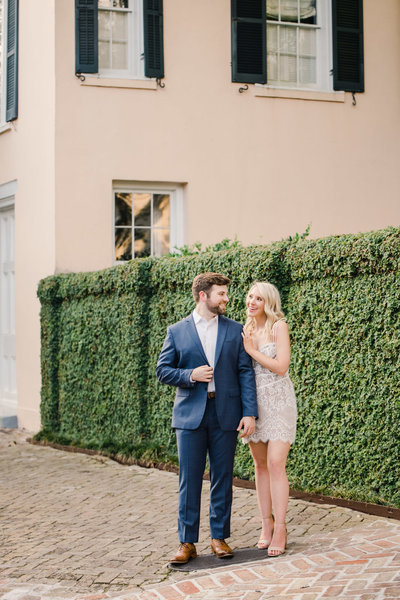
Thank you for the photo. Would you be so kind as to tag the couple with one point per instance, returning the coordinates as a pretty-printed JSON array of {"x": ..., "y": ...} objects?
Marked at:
[{"x": 228, "y": 379}]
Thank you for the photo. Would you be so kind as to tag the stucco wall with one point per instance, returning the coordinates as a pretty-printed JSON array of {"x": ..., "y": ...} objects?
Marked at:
[
  {"x": 27, "y": 155},
  {"x": 259, "y": 168}
]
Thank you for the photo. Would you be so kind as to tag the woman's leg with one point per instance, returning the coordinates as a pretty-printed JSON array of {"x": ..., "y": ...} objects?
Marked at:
[
  {"x": 259, "y": 452},
  {"x": 276, "y": 462}
]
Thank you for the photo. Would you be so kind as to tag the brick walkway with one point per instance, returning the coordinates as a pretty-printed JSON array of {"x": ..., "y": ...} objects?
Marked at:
[{"x": 80, "y": 527}]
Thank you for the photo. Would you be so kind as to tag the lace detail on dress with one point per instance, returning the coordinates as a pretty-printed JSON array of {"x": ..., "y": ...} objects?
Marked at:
[{"x": 277, "y": 411}]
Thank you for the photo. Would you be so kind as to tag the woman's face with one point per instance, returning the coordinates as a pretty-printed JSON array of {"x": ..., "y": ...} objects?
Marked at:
[{"x": 255, "y": 303}]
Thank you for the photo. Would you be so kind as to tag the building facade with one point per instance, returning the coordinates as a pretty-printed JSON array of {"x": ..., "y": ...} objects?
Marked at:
[{"x": 128, "y": 127}]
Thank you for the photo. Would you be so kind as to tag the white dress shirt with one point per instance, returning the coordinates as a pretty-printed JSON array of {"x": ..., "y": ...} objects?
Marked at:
[{"x": 208, "y": 332}]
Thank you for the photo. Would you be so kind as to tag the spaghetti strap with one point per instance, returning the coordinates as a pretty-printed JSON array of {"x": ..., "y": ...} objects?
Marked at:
[{"x": 274, "y": 330}]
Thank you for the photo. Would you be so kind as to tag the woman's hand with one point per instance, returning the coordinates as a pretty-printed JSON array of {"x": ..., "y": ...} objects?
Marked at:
[{"x": 248, "y": 342}]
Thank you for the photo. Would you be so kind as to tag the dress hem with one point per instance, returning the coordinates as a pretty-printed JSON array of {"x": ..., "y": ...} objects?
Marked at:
[{"x": 256, "y": 440}]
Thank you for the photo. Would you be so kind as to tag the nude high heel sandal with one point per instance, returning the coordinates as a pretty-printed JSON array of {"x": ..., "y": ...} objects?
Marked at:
[
  {"x": 278, "y": 550},
  {"x": 263, "y": 544}
]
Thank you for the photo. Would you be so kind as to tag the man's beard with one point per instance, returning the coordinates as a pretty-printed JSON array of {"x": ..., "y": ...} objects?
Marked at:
[{"x": 217, "y": 310}]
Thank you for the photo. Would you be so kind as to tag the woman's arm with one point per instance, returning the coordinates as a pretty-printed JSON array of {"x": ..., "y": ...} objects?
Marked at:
[{"x": 280, "y": 364}]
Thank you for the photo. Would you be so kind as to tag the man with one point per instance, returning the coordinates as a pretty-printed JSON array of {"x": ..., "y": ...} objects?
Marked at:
[{"x": 203, "y": 356}]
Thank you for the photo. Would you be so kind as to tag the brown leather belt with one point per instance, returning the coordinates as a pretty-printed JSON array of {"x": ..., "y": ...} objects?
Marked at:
[{"x": 210, "y": 395}]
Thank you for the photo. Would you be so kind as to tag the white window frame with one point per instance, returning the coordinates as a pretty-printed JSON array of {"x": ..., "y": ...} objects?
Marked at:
[
  {"x": 3, "y": 74},
  {"x": 135, "y": 68},
  {"x": 175, "y": 192},
  {"x": 323, "y": 54}
]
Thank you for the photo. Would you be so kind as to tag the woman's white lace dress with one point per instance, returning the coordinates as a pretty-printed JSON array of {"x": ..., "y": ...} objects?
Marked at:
[{"x": 277, "y": 410}]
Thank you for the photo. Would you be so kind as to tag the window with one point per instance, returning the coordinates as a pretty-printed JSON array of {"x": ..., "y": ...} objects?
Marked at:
[
  {"x": 147, "y": 222},
  {"x": 8, "y": 60},
  {"x": 119, "y": 38},
  {"x": 2, "y": 40},
  {"x": 298, "y": 44}
]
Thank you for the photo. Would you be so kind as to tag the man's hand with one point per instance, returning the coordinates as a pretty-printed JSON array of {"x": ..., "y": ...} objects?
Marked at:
[
  {"x": 203, "y": 373},
  {"x": 248, "y": 424}
]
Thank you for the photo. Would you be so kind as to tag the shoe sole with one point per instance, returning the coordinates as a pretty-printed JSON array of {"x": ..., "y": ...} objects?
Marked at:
[
  {"x": 223, "y": 555},
  {"x": 182, "y": 562}
]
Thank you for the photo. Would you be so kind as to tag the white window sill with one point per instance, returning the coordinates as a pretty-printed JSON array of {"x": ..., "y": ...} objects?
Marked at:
[
  {"x": 139, "y": 84},
  {"x": 5, "y": 127},
  {"x": 270, "y": 92}
]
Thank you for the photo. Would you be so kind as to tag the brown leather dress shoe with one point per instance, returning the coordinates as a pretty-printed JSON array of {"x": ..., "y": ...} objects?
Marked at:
[
  {"x": 221, "y": 549},
  {"x": 185, "y": 552}
]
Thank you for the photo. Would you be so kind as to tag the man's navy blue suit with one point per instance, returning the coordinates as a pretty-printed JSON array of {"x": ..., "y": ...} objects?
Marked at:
[{"x": 207, "y": 425}]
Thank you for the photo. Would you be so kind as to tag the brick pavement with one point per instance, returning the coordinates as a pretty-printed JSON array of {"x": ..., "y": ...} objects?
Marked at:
[{"x": 84, "y": 527}]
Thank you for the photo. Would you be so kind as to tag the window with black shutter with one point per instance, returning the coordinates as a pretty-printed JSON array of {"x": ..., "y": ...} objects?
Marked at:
[
  {"x": 11, "y": 70},
  {"x": 348, "y": 45},
  {"x": 289, "y": 40},
  {"x": 153, "y": 38},
  {"x": 248, "y": 26},
  {"x": 107, "y": 34}
]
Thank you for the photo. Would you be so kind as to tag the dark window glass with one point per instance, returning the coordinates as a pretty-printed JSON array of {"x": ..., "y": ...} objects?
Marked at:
[
  {"x": 161, "y": 210},
  {"x": 142, "y": 244},
  {"x": 142, "y": 210},
  {"x": 123, "y": 243},
  {"x": 123, "y": 208}
]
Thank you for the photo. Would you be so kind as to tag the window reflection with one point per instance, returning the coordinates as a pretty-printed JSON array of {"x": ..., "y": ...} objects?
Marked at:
[
  {"x": 123, "y": 243},
  {"x": 142, "y": 210},
  {"x": 142, "y": 244},
  {"x": 123, "y": 208},
  {"x": 142, "y": 224},
  {"x": 161, "y": 242},
  {"x": 161, "y": 210}
]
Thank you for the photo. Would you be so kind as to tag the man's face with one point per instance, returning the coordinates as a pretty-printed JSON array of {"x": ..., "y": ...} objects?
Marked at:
[{"x": 217, "y": 299}]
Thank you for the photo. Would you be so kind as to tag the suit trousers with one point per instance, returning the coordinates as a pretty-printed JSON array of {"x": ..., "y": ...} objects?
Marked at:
[{"x": 193, "y": 446}]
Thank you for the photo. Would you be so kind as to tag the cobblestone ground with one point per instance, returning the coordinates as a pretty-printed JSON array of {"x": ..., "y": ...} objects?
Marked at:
[{"x": 75, "y": 526}]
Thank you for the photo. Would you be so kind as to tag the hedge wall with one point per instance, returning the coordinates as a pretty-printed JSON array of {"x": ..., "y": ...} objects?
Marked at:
[{"x": 102, "y": 333}]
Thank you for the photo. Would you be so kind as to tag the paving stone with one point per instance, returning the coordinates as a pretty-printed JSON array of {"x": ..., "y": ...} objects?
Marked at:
[{"x": 75, "y": 526}]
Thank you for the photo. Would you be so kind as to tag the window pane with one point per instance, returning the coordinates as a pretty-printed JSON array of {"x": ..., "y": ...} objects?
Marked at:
[
  {"x": 273, "y": 10},
  {"x": 288, "y": 39},
  {"x": 289, "y": 10},
  {"x": 119, "y": 55},
  {"x": 123, "y": 209},
  {"x": 161, "y": 210},
  {"x": 288, "y": 68},
  {"x": 142, "y": 242},
  {"x": 104, "y": 55},
  {"x": 272, "y": 38},
  {"x": 142, "y": 209},
  {"x": 113, "y": 3},
  {"x": 308, "y": 12},
  {"x": 307, "y": 42},
  {"x": 307, "y": 70},
  {"x": 104, "y": 25},
  {"x": 120, "y": 26},
  {"x": 161, "y": 242},
  {"x": 123, "y": 243}
]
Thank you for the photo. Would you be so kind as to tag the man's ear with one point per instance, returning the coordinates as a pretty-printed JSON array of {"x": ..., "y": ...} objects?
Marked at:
[{"x": 202, "y": 296}]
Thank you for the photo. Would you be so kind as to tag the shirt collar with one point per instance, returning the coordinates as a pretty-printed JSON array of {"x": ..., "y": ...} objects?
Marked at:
[{"x": 197, "y": 318}]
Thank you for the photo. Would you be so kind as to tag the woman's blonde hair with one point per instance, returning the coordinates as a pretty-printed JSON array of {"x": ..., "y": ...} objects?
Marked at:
[{"x": 272, "y": 307}]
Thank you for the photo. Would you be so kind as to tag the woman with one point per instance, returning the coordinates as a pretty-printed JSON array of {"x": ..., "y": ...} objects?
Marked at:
[{"x": 266, "y": 340}]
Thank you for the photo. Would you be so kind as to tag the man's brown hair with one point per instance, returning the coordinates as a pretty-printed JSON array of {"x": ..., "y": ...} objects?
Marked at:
[{"x": 204, "y": 282}]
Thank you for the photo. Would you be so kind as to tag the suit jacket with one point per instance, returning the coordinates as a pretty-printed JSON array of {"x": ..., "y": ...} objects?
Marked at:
[{"x": 235, "y": 386}]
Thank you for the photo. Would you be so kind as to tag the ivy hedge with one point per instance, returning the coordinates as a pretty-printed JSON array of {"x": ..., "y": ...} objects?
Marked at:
[{"x": 102, "y": 333}]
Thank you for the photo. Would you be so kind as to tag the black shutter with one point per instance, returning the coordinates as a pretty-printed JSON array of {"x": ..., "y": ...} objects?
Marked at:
[
  {"x": 348, "y": 45},
  {"x": 248, "y": 36},
  {"x": 153, "y": 38},
  {"x": 86, "y": 36},
  {"x": 12, "y": 61}
]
